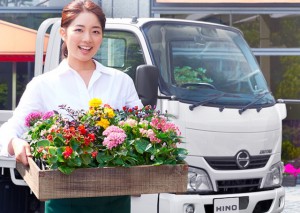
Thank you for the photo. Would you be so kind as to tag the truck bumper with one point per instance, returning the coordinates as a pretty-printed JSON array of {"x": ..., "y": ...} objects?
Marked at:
[{"x": 264, "y": 201}]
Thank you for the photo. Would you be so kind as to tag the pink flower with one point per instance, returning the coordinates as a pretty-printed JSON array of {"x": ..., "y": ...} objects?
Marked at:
[
  {"x": 289, "y": 168},
  {"x": 47, "y": 115},
  {"x": 158, "y": 122},
  {"x": 31, "y": 118},
  {"x": 151, "y": 135},
  {"x": 130, "y": 122},
  {"x": 114, "y": 137},
  {"x": 171, "y": 127}
]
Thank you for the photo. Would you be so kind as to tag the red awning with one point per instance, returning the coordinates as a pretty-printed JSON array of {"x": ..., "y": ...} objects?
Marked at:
[
  {"x": 17, "y": 43},
  {"x": 17, "y": 58}
]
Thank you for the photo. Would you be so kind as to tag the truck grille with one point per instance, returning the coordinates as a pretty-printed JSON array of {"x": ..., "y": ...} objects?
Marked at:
[
  {"x": 238, "y": 186},
  {"x": 229, "y": 163}
]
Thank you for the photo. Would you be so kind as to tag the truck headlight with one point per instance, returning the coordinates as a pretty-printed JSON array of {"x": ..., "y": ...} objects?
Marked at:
[
  {"x": 198, "y": 180},
  {"x": 274, "y": 176}
]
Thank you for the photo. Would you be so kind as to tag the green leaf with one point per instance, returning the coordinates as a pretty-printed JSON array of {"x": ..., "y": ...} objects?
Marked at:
[
  {"x": 87, "y": 149},
  {"x": 122, "y": 153},
  {"x": 53, "y": 159},
  {"x": 170, "y": 161},
  {"x": 102, "y": 158},
  {"x": 65, "y": 169},
  {"x": 158, "y": 161},
  {"x": 131, "y": 161},
  {"x": 52, "y": 150},
  {"x": 148, "y": 147},
  {"x": 181, "y": 153},
  {"x": 58, "y": 141},
  {"x": 43, "y": 143},
  {"x": 131, "y": 142},
  {"x": 86, "y": 159},
  {"x": 141, "y": 145},
  {"x": 60, "y": 155},
  {"x": 119, "y": 162},
  {"x": 74, "y": 144},
  {"x": 76, "y": 162}
]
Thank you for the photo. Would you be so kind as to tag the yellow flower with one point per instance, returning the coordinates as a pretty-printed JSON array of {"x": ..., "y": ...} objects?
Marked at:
[
  {"x": 92, "y": 111},
  {"x": 103, "y": 123},
  {"x": 95, "y": 102},
  {"x": 110, "y": 112}
]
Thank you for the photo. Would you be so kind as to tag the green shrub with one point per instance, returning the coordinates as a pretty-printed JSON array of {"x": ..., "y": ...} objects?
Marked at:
[
  {"x": 187, "y": 74},
  {"x": 3, "y": 96},
  {"x": 289, "y": 151}
]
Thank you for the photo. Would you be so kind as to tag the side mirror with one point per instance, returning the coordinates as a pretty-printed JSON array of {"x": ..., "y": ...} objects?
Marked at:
[{"x": 146, "y": 84}]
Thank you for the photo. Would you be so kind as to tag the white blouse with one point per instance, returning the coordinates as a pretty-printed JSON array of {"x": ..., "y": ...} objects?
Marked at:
[{"x": 63, "y": 85}]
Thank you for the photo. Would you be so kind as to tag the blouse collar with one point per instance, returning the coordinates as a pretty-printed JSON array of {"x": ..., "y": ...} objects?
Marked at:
[{"x": 64, "y": 67}]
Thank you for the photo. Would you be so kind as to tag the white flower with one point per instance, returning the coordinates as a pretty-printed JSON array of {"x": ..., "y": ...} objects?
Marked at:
[{"x": 43, "y": 132}]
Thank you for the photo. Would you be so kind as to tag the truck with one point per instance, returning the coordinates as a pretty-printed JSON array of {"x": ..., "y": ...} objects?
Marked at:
[{"x": 206, "y": 76}]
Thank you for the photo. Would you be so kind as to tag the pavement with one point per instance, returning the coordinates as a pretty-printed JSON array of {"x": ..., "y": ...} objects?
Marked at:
[{"x": 292, "y": 199}]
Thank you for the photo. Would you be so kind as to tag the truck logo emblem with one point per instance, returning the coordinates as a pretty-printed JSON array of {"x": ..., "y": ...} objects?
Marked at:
[{"x": 243, "y": 159}]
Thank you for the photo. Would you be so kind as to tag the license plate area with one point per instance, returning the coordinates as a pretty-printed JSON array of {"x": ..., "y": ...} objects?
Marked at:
[{"x": 226, "y": 205}]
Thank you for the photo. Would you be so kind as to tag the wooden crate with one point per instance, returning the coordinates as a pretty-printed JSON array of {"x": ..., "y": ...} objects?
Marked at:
[{"x": 108, "y": 181}]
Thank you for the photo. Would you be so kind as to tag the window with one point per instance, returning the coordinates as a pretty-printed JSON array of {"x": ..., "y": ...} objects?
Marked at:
[{"x": 121, "y": 50}]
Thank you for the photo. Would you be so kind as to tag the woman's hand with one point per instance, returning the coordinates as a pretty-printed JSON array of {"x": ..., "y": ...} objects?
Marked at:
[{"x": 21, "y": 149}]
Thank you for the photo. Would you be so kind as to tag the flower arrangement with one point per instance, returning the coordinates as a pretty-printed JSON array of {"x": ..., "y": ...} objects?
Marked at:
[
  {"x": 103, "y": 137},
  {"x": 289, "y": 169}
]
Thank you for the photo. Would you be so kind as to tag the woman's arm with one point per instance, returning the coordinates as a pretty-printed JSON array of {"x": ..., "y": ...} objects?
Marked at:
[{"x": 12, "y": 130}]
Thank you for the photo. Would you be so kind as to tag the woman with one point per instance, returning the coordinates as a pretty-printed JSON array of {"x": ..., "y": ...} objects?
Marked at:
[{"x": 74, "y": 82}]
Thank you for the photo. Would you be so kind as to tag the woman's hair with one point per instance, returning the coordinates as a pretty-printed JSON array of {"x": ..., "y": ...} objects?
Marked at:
[{"x": 73, "y": 9}]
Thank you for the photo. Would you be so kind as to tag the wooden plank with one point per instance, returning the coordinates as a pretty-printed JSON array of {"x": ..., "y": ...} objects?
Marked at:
[{"x": 109, "y": 181}]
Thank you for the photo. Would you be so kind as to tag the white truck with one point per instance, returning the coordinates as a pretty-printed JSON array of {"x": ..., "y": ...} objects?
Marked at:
[{"x": 209, "y": 80}]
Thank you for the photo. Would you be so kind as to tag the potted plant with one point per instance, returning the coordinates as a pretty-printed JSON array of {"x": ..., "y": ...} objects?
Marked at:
[
  {"x": 290, "y": 175},
  {"x": 139, "y": 148}
]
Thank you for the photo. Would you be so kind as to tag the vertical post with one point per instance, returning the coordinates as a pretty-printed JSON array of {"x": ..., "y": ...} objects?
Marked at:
[
  {"x": 265, "y": 43},
  {"x": 14, "y": 85}
]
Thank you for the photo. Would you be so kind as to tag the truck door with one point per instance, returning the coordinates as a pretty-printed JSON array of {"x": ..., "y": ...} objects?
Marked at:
[{"x": 121, "y": 50}]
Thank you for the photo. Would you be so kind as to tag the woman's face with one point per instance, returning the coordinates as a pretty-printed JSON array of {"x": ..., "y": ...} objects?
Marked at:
[{"x": 83, "y": 37}]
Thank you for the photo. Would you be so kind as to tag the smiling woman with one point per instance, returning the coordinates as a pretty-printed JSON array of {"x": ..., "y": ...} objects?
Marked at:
[{"x": 76, "y": 80}]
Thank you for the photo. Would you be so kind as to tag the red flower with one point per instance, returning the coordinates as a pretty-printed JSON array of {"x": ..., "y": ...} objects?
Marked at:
[
  {"x": 68, "y": 152},
  {"x": 92, "y": 136},
  {"x": 87, "y": 141},
  {"x": 107, "y": 106},
  {"x": 40, "y": 149},
  {"x": 94, "y": 154},
  {"x": 82, "y": 129},
  {"x": 50, "y": 137},
  {"x": 72, "y": 129}
]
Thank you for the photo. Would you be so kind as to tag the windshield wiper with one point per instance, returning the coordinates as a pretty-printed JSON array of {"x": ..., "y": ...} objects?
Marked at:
[
  {"x": 258, "y": 98},
  {"x": 214, "y": 97}
]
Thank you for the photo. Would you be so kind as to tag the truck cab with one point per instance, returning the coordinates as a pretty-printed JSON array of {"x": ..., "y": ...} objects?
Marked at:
[{"x": 212, "y": 85}]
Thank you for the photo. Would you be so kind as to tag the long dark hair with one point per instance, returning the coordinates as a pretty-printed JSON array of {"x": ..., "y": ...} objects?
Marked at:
[{"x": 73, "y": 9}]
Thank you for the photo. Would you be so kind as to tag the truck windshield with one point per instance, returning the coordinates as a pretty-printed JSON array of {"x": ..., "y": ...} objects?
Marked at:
[{"x": 199, "y": 61}]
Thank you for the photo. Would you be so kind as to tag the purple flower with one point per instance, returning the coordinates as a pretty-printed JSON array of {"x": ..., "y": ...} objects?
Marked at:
[{"x": 32, "y": 118}]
